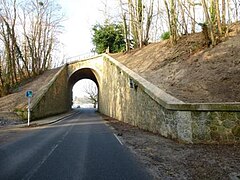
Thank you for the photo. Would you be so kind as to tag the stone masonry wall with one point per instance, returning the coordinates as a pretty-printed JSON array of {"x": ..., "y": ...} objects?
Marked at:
[
  {"x": 53, "y": 98},
  {"x": 143, "y": 105},
  {"x": 216, "y": 126},
  {"x": 138, "y": 107}
]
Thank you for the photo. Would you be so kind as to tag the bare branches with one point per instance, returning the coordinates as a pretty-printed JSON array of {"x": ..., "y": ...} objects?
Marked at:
[
  {"x": 28, "y": 35},
  {"x": 137, "y": 18},
  {"x": 92, "y": 93}
]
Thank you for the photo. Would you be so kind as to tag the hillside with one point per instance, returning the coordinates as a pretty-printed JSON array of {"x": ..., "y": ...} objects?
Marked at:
[
  {"x": 190, "y": 71},
  {"x": 18, "y": 98}
]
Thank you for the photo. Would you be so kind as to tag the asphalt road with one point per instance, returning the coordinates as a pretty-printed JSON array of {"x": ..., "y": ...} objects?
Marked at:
[{"x": 80, "y": 147}]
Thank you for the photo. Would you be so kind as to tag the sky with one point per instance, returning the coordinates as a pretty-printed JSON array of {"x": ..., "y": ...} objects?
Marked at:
[
  {"x": 79, "y": 87},
  {"x": 80, "y": 16}
]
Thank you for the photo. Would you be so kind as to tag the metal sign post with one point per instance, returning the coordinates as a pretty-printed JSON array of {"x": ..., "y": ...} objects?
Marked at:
[{"x": 29, "y": 94}]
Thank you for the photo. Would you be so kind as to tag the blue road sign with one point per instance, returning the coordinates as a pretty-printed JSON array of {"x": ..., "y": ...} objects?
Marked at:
[{"x": 29, "y": 93}]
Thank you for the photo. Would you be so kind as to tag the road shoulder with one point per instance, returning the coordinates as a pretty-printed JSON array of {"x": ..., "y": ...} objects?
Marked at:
[{"x": 167, "y": 159}]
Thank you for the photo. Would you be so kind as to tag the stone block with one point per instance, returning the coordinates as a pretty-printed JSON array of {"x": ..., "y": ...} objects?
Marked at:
[
  {"x": 229, "y": 124},
  {"x": 236, "y": 131}
]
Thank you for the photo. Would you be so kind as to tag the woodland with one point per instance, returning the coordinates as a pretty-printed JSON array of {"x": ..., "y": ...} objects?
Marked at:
[{"x": 29, "y": 30}]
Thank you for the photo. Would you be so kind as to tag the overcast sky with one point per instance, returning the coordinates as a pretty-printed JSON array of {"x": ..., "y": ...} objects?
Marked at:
[{"x": 80, "y": 16}]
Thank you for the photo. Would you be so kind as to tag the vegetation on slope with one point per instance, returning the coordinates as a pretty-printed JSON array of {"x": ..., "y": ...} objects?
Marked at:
[
  {"x": 28, "y": 37},
  {"x": 190, "y": 70}
]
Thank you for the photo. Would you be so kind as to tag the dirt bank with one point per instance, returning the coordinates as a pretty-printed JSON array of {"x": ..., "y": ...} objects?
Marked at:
[{"x": 190, "y": 70}]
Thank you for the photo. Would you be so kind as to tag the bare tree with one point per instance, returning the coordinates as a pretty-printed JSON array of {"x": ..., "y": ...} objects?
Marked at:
[
  {"x": 193, "y": 15},
  {"x": 223, "y": 12},
  {"x": 11, "y": 71},
  {"x": 184, "y": 24},
  {"x": 218, "y": 18},
  {"x": 28, "y": 36},
  {"x": 141, "y": 17},
  {"x": 172, "y": 19},
  {"x": 236, "y": 5},
  {"x": 137, "y": 16},
  {"x": 148, "y": 22},
  {"x": 209, "y": 21},
  {"x": 41, "y": 35},
  {"x": 125, "y": 26},
  {"x": 92, "y": 93}
]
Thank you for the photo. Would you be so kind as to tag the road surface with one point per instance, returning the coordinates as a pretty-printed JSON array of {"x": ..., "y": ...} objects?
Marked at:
[{"x": 79, "y": 147}]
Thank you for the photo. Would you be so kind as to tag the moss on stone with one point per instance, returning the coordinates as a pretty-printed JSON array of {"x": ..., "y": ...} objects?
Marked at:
[
  {"x": 215, "y": 136},
  {"x": 23, "y": 114},
  {"x": 222, "y": 130},
  {"x": 236, "y": 131},
  {"x": 230, "y": 137},
  {"x": 216, "y": 122},
  {"x": 229, "y": 124},
  {"x": 203, "y": 137},
  {"x": 227, "y": 116},
  {"x": 195, "y": 130},
  {"x": 213, "y": 119},
  {"x": 213, "y": 128},
  {"x": 237, "y": 115}
]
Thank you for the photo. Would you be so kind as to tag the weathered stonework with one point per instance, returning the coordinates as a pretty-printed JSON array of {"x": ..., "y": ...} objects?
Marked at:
[
  {"x": 52, "y": 98},
  {"x": 126, "y": 96},
  {"x": 149, "y": 109}
]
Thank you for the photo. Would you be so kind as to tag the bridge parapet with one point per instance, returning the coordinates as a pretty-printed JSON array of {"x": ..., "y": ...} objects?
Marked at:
[
  {"x": 50, "y": 99},
  {"x": 94, "y": 63},
  {"x": 132, "y": 99},
  {"x": 128, "y": 97}
]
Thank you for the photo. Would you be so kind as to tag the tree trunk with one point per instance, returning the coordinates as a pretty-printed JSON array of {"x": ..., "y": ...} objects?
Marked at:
[
  {"x": 149, "y": 22},
  {"x": 168, "y": 15},
  {"x": 140, "y": 22},
  {"x": 125, "y": 28},
  {"x": 173, "y": 21},
  {"x": 193, "y": 19},
  {"x": 209, "y": 23},
  {"x": 184, "y": 23},
  {"x": 223, "y": 12},
  {"x": 219, "y": 25}
]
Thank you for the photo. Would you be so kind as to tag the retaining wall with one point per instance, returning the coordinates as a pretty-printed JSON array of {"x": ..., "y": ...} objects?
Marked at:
[
  {"x": 52, "y": 98},
  {"x": 146, "y": 106},
  {"x": 128, "y": 97}
]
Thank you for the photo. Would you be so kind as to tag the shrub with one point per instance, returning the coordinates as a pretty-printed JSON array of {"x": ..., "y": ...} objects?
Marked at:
[{"x": 165, "y": 35}]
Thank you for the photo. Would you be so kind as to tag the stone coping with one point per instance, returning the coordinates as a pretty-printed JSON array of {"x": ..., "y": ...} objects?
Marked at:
[
  {"x": 166, "y": 100},
  {"x": 90, "y": 58},
  {"x": 37, "y": 98}
]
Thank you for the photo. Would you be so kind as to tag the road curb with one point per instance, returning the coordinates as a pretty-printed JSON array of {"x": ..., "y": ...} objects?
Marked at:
[{"x": 41, "y": 122}]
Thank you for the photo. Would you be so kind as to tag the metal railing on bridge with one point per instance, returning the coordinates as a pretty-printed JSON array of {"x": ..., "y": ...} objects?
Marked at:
[{"x": 80, "y": 57}]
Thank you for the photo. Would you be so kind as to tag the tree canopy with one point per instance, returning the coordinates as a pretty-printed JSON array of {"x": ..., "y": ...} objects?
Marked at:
[{"x": 108, "y": 36}]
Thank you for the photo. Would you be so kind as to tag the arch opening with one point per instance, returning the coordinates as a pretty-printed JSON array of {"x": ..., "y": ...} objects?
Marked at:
[
  {"x": 83, "y": 82},
  {"x": 85, "y": 94}
]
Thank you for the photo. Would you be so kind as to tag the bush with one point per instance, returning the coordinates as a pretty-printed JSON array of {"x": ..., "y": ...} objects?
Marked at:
[
  {"x": 165, "y": 35},
  {"x": 108, "y": 36}
]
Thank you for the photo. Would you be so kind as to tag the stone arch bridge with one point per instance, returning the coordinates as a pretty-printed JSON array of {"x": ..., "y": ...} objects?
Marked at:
[{"x": 126, "y": 96}]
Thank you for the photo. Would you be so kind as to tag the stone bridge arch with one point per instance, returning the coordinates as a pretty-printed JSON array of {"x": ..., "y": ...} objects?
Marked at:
[
  {"x": 126, "y": 96},
  {"x": 86, "y": 69}
]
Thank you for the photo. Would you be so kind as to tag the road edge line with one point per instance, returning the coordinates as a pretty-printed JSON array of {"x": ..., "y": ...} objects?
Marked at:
[{"x": 118, "y": 139}]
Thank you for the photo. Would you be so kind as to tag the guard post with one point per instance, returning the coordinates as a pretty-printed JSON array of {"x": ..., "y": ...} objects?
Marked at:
[{"x": 29, "y": 94}]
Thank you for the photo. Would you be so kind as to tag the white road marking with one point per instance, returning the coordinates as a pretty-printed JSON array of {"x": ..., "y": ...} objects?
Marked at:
[
  {"x": 118, "y": 139},
  {"x": 34, "y": 170}
]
